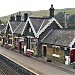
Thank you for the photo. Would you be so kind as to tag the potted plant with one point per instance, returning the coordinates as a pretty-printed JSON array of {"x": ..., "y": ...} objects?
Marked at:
[{"x": 73, "y": 64}]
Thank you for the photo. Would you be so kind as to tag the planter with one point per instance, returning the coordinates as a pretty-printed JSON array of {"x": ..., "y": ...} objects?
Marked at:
[{"x": 73, "y": 65}]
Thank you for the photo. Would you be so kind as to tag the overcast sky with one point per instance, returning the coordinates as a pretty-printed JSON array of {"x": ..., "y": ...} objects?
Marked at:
[{"x": 11, "y": 6}]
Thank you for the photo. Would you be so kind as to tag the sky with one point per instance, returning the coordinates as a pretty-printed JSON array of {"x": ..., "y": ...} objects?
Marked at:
[{"x": 11, "y": 6}]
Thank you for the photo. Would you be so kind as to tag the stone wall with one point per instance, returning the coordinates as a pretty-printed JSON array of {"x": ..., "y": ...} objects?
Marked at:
[{"x": 55, "y": 54}]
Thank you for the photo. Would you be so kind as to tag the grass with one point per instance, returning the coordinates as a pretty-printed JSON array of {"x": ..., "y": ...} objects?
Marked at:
[{"x": 41, "y": 13}]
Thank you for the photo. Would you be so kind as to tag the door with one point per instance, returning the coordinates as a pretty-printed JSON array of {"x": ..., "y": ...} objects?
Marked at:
[
  {"x": 44, "y": 51},
  {"x": 28, "y": 43},
  {"x": 72, "y": 55},
  {"x": 19, "y": 45},
  {"x": 3, "y": 41}
]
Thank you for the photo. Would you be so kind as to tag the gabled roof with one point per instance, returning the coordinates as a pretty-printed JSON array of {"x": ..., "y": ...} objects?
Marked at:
[
  {"x": 37, "y": 22},
  {"x": 61, "y": 37},
  {"x": 2, "y": 27},
  {"x": 39, "y": 25},
  {"x": 16, "y": 27},
  {"x": 3, "y": 31},
  {"x": 20, "y": 28},
  {"x": 48, "y": 24},
  {"x": 29, "y": 21},
  {"x": 45, "y": 21}
]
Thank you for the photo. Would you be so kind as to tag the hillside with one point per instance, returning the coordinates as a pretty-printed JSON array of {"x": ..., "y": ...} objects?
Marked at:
[{"x": 41, "y": 13}]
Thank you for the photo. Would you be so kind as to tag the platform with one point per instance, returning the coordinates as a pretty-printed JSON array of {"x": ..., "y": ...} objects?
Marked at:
[{"x": 31, "y": 64}]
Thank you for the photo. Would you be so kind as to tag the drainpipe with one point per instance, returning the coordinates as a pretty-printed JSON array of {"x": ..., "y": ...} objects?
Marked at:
[{"x": 13, "y": 41}]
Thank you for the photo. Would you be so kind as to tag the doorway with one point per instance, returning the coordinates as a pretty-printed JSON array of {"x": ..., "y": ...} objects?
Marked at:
[
  {"x": 44, "y": 51},
  {"x": 19, "y": 45},
  {"x": 3, "y": 41},
  {"x": 72, "y": 57}
]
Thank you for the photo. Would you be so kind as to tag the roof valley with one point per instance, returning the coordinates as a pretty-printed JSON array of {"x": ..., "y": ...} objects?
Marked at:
[
  {"x": 41, "y": 26},
  {"x": 17, "y": 27}
]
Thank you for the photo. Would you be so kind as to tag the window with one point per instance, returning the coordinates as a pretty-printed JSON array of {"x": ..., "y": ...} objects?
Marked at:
[
  {"x": 10, "y": 41},
  {"x": 57, "y": 50},
  {"x": 62, "y": 48},
  {"x": 53, "y": 50},
  {"x": 16, "y": 42},
  {"x": 29, "y": 29},
  {"x": 0, "y": 38},
  {"x": 28, "y": 43}
]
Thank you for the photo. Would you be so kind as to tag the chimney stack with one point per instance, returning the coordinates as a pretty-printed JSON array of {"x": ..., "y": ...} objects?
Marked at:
[
  {"x": 25, "y": 17},
  {"x": 51, "y": 11},
  {"x": 12, "y": 17},
  {"x": 18, "y": 16}
]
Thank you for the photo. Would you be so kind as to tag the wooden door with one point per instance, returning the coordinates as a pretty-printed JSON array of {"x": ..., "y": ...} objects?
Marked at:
[
  {"x": 19, "y": 45},
  {"x": 72, "y": 57}
]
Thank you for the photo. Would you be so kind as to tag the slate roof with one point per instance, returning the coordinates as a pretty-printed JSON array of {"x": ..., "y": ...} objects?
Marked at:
[
  {"x": 61, "y": 37},
  {"x": 14, "y": 24},
  {"x": 37, "y": 22},
  {"x": 44, "y": 23},
  {"x": 17, "y": 27},
  {"x": 3, "y": 31},
  {"x": 2, "y": 27},
  {"x": 20, "y": 28}
]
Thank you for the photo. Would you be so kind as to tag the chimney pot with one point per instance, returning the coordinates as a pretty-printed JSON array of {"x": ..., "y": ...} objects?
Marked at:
[
  {"x": 18, "y": 16},
  {"x": 25, "y": 17},
  {"x": 12, "y": 17},
  {"x": 51, "y": 11}
]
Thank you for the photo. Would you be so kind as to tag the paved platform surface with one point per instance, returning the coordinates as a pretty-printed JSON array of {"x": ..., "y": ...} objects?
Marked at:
[
  {"x": 35, "y": 65},
  {"x": 1, "y": 73}
]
